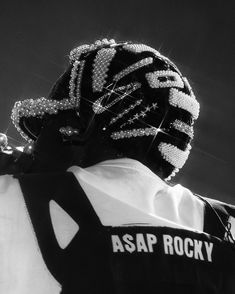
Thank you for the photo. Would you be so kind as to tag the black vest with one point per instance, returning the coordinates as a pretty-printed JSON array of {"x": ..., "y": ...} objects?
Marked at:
[{"x": 127, "y": 259}]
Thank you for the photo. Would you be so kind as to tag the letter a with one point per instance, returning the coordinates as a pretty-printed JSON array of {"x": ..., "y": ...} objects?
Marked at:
[
  {"x": 117, "y": 244},
  {"x": 141, "y": 246}
]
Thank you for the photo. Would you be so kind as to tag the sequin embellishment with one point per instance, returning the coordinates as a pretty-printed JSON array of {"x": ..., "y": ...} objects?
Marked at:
[
  {"x": 164, "y": 79},
  {"x": 138, "y": 48},
  {"x": 184, "y": 101},
  {"x": 174, "y": 155},
  {"x": 133, "y": 67},
  {"x": 124, "y": 92},
  {"x": 37, "y": 107},
  {"x": 79, "y": 79},
  {"x": 100, "y": 68},
  {"x": 135, "y": 133},
  {"x": 142, "y": 114},
  {"x": 120, "y": 115},
  {"x": 72, "y": 80},
  {"x": 183, "y": 127}
]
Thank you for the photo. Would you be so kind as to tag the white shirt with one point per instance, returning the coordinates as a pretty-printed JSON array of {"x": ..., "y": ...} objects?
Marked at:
[
  {"x": 124, "y": 191},
  {"x": 121, "y": 191}
]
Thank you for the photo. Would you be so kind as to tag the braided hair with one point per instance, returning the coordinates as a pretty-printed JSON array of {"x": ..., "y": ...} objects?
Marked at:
[{"x": 137, "y": 98}]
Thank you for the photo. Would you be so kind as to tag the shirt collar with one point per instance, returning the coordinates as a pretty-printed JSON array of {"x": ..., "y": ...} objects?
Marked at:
[{"x": 124, "y": 179}]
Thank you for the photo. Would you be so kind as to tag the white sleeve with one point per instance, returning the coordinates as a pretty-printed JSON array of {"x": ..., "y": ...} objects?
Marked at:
[{"x": 23, "y": 270}]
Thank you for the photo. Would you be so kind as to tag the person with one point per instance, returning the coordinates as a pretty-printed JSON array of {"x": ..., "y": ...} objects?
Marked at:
[{"x": 92, "y": 209}]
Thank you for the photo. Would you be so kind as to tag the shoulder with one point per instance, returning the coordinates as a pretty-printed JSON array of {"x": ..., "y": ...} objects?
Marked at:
[
  {"x": 10, "y": 192},
  {"x": 6, "y": 183},
  {"x": 219, "y": 218},
  {"x": 223, "y": 206}
]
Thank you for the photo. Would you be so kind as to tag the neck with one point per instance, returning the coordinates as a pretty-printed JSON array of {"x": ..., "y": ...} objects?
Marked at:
[{"x": 51, "y": 153}]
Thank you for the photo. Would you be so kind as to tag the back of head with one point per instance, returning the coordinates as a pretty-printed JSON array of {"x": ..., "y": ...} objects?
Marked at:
[{"x": 126, "y": 97}]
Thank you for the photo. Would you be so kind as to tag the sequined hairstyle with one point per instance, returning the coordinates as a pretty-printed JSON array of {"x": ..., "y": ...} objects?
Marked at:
[{"x": 137, "y": 97}]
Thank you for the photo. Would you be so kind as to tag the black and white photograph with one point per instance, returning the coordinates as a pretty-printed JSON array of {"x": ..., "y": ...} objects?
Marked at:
[{"x": 117, "y": 147}]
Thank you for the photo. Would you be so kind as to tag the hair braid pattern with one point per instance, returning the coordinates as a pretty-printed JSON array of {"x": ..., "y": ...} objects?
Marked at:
[
  {"x": 137, "y": 92},
  {"x": 138, "y": 98}
]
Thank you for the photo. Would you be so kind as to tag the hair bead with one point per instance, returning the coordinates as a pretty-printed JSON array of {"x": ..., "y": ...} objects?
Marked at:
[
  {"x": 184, "y": 101},
  {"x": 171, "y": 79},
  {"x": 100, "y": 68},
  {"x": 133, "y": 67},
  {"x": 173, "y": 154}
]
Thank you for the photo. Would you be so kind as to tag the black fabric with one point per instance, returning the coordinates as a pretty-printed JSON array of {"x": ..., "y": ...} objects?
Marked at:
[
  {"x": 14, "y": 162},
  {"x": 123, "y": 260},
  {"x": 215, "y": 218},
  {"x": 162, "y": 272},
  {"x": 80, "y": 266}
]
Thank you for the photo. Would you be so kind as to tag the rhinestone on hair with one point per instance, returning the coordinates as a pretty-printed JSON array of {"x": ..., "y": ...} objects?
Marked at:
[
  {"x": 68, "y": 131},
  {"x": 174, "y": 155},
  {"x": 73, "y": 76},
  {"x": 164, "y": 79},
  {"x": 184, "y": 101},
  {"x": 175, "y": 171},
  {"x": 100, "y": 68},
  {"x": 142, "y": 114},
  {"x": 138, "y": 48},
  {"x": 120, "y": 115},
  {"x": 135, "y": 133},
  {"x": 183, "y": 127},
  {"x": 37, "y": 108},
  {"x": 122, "y": 92},
  {"x": 79, "y": 79},
  {"x": 133, "y": 67},
  {"x": 78, "y": 51}
]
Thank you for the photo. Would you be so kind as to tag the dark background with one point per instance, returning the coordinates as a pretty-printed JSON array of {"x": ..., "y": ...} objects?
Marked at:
[{"x": 36, "y": 37}]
